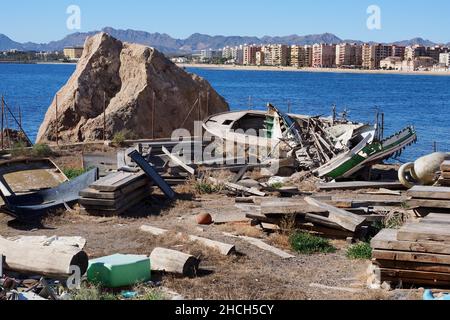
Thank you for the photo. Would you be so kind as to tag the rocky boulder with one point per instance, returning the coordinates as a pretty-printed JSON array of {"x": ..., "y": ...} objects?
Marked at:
[{"x": 127, "y": 87}]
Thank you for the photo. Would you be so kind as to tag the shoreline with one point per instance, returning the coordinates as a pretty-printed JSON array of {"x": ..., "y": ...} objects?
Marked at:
[{"x": 310, "y": 70}]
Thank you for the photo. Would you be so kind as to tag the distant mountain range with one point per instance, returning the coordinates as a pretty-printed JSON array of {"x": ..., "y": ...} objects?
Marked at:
[{"x": 195, "y": 42}]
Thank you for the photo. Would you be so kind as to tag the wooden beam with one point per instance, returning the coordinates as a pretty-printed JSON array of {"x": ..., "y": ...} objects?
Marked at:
[
  {"x": 426, "y": 192},
  {"x": 424, "y": 232},
  {"x": 171, "y": 261},
  {"x": 262, "y": 245},
  {"x": 224, "y": 248},
  {"x": 345, "y": 219},
  {"x": 32, "y": 259},
  {"x": 386, "y": 239},
  {"x": 411, "y": 257},
  {"x": 178, "y": 161},
  {"x": 354, "y": 185}
]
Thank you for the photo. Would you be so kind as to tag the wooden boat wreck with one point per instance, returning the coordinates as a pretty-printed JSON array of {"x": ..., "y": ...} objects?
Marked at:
[{"x": 331, "y": 148}]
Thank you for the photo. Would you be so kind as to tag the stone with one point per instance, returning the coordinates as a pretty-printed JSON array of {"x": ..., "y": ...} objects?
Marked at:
[{"x": 126, "y": 79}]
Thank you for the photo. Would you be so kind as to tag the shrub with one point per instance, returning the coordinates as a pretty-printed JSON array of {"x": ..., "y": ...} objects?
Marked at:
[
  {"x": 306, "y": 243},
  {"x": 92, "y": 293},
  {"x": 41, "y": 151},
  {"x": 360, "y": 251},
  {"x": 19, "y": 149},
  {"x": 73, "y": 173},
  {"x": 206, "y": 188},
  {"x": 277, "y": 185}
]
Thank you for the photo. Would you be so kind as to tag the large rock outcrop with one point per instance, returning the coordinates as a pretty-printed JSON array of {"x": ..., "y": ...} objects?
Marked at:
[{"x": 128, "y": 79}]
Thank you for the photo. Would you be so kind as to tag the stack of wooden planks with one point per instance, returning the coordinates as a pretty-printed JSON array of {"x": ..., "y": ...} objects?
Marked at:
[
  {"x": 307, "y": 214},
  {"x": 115, "y": 193},
  {"x": 417, "y": 254},
  {"x": 429, "y": 197},
  {"x": 445, "y": 174}
]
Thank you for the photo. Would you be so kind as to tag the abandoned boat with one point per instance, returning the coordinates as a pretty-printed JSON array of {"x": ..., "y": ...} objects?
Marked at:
[
  {"x": 332, "y": 148},
  {"x": 31, "y": 188}
]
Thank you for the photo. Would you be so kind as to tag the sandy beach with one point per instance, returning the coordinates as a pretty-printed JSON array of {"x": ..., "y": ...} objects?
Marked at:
[{"x": 321, "y": 70}]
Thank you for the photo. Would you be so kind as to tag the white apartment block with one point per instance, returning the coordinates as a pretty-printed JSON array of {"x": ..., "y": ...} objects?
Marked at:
[{"x": 444, "y": 59}]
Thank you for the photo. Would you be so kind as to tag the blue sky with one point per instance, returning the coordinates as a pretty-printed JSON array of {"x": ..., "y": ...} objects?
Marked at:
[{"x": 45, "y": 20}]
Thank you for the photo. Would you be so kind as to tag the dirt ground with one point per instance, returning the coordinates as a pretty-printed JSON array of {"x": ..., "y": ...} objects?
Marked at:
[{"x": 251, "y": 273}]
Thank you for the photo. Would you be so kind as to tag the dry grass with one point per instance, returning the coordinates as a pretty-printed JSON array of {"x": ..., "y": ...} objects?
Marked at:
[
  {"x": 241, "y": 229},
  {"x": 280, "y": 240}
]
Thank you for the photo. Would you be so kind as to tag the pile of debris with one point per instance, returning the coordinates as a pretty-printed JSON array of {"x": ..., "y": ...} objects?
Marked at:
[{"x": 416, "y": 254}]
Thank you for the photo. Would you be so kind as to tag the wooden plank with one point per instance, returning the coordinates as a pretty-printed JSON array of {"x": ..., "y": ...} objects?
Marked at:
[
  {"x": 426, "y": 192},
  {"x": 115, "y": 203},
  {"x": 92, "y": 193},
  {"x": 417, "y": 266},
  {"x": 179, "y": 162},
  {"x": 299, "y": 206},
  {"x": 424, "y": 232},
  {"x": 223, "y": 248},
  {"x": 345, "y": 219},
  {"x": 439, "y": 218},
  {"x": 411, "y": 256},
  {"x": 386, "y": 239},
  {"x": 116, "y": 181},
  {"x": 410, "y": 274},
  {"x": 357, "y": 203},
  {"x": 437, "y": 204},
  {"x": 354, "y": 185},
  {"x": 416, "y": 282},
  {"x": 263, "y": 246}
]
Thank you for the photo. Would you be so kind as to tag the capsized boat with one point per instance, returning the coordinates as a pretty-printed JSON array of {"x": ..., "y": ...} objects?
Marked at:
[{"x": 330, "y": 147}]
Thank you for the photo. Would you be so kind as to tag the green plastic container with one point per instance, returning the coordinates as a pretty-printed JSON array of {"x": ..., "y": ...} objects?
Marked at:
[{"x": 119, "y": 270}]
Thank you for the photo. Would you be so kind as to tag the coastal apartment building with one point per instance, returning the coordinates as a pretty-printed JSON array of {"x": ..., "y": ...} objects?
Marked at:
[
  {"x": 275, "y": 55},
  {"x": 444, "y": 59},
  {"x": 260, "y": 58},
  {"x": 413, "y": 52},
  {"x": 373, "y": 54},
  {"x": 298, "y": 57},
  {"x": 348, "y": 54},
  {"x": 73, "y": 53},
  {"x": 249, "y": 54},
  {"x": 323, "y": 55}
]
